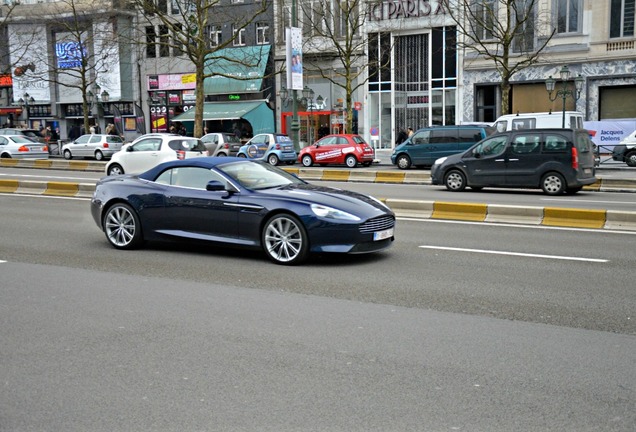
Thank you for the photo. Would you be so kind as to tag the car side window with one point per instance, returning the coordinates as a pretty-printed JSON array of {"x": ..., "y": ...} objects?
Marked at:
[
  {"x": 524, "y": 144},
  {"x": 422, "y": 137},
  {"x": 151, "y": 144},
  {"x": 258, "y": 139},
  {"x": 342, "y": 141},
  {"x": 555, "y": 144},
  {"x": 525, "y": 123},
  {"x": 469, "y": 136},
  {"x": 94, "y": 138},
  {"x": 443, "y": 136},
  {"x": 189, "y": 177},
  {"x": 491, "y": 147},
  {"x": 3, "y": 140},
  {"x": 83, "y": 139}
]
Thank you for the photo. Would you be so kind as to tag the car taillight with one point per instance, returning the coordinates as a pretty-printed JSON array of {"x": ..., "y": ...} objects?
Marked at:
[
  {"x": 226, "y": 146},
  {"x": 180, "y": 154},
  {"x": 45, "y": 148},
  {"x": 105, "y": 145},
  {"x": 23, "y": 149},
  {"x": 575, "y": 158},
  {"x": 277, "y": 146}
]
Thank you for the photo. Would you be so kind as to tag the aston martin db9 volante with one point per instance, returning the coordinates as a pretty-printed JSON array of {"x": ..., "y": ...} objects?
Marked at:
[{"x": 240, "y": 202}]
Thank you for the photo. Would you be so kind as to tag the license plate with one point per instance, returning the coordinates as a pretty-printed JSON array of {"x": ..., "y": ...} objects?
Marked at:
[
  {"x": 381, "y": 235},
  {"x": 587, "y": 171}
]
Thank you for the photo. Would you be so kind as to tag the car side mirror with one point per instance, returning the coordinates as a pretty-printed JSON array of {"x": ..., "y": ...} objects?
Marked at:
[
  {"x": 476, "y": 154},
  {"x": 215, "y": 186},
  {"x": 129, "y": 148}
]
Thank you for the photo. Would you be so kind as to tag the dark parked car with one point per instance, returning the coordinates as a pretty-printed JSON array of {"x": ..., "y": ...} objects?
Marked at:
[
  {"x": 239, "y": 202},
  {"x": 429, "y": 144},
  {"x": 555, "y": 160}
]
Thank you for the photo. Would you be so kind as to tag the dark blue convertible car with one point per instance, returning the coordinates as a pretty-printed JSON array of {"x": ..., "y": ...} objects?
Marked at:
[{"x": 239, "y": 202}]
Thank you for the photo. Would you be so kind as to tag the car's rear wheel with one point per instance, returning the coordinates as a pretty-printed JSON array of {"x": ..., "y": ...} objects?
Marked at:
[
  {"x": 307, "y": 161},
  {"x": 403, "y": 162},
  {"x": 284, "y": 240},
  {"x": 630, "y": 159},
  {"x": 68, "y": 155},
  {"x": 455, "y": 181},
  {"x": 242, "y": 155},
  {"x": 272, "y": 159},
  {"x": 99, "y": 155},
  {"x": 553, "y": 184},
  {"x": 5, "y": 156},
  {"x": 351, "y": 161},
  {"x": 122, "y": 227},
  {"x": 221, "y": 154},
  {"x": 115, "y": 169}
]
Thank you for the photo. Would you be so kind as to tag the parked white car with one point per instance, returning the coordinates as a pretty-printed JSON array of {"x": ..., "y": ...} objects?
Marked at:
[
  {"x": 150, "y": 150},
  {"x": 96, "y": 146},
  {"x": 22, "y": 147}
]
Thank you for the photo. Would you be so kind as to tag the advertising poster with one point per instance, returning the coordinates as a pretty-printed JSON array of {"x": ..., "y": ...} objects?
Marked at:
[{"x": 294, "y": 58}]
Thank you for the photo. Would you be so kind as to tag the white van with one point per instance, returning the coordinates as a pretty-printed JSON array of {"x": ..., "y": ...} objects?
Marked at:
[{"x": 540, "y": 120}]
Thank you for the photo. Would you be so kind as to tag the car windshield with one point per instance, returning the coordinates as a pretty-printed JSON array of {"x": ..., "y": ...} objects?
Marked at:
[{"x": 258, "y": 175}]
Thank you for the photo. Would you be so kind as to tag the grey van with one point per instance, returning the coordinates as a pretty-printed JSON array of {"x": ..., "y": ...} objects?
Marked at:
[
  {"x": 429, "y": 144},
  {"x": 555, "y": 160}
]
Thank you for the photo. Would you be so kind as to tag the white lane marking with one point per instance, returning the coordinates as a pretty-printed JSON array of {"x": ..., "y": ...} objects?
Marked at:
[
  {"x": 44, "y": 196},
  {"x": 1, "y": 261},
  {"x": 484, "y": 251}
]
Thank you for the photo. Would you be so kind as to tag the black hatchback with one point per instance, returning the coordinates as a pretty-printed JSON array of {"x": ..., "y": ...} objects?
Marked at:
[{"x": 554, "y": 160}]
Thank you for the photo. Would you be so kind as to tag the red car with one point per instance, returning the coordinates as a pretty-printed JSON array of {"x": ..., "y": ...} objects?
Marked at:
[{"x": 347, "y": 149}]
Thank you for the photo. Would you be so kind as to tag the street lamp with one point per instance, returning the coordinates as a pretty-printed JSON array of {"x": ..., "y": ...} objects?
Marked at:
[
  {"x": 24, "y": 104},
  {"x": 564, "y": 92},
  {"x": 98, "y": 98}
]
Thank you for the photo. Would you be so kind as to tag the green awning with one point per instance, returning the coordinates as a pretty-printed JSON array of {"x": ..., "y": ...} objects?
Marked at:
[
  {"x": 236, "y": 70},
  {"x": 258, "y": 113}
]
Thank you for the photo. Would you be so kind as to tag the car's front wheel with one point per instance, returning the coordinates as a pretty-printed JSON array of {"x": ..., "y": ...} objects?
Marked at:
[
  {"x": 122, "y": 227},
  {"x": 115, "y": 169},
  {"x": 403, "y": 162},
  {"x": 99, "y": 155},
  {"x": 68, "y": 155},
  {"x": 553, "y": 184},
  {"x": 307, "y": 161},
  {"x": 284, "y": 240},
  {"x": 272, "y": 159},
  {"x": 351, "y": 161},
  {"x": 455, "y": 181},
  {"x": 630, "y": 159}
]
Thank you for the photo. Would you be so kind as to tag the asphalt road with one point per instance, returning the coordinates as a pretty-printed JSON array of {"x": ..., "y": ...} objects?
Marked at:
[{"x": 458, "y": 326}]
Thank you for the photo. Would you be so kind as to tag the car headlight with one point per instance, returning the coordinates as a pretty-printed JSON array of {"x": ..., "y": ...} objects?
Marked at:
[
  {"x": 332, "y": 213},
  {"x": 440, "y": 160}
]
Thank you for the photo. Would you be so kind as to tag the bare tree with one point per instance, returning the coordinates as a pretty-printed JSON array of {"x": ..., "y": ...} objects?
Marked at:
[
  {"x": 505, "y": 32},
  {"x": 334, "y": 30},
  {"x": 187, "y": 29}
]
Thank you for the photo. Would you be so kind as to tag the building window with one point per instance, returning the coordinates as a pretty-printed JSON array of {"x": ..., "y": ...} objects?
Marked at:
[
  {"x": 523, "y": 41},
  {"x": 162, "y": 6},
  {"x": 179, "y": 48},
  {"x": 164, "y": 41},
  {"x": 262, "y": 33},
  {"x": 151, "y": 39},
  {"x": 239, "y": 36},
  {"x": 485, "y": 14},
  {"x": 622, "y": 18},
  {"x": 568, "y": 16},
  {"x": 215, "y": 35}
]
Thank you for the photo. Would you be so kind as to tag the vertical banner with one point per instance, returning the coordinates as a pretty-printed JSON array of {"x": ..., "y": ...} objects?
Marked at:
[
  {"x": 117, "y": 121},
  {"x": 294, "y": 46},
  {"x": 141, "y": 122}
]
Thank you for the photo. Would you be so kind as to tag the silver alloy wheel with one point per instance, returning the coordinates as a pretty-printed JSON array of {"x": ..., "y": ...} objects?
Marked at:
[
  {"x": 68, "y": 155},
  {"x": 307, "y": 161},
  {"x": 284, "y": 240},
  {"x": 455, "y": 181},
  {"x": 115, "y": 170},
  {"x": 403, "y": 162},
  {"x": 272, "y": 159},
  {"x": 553, "y": 184},
  {"x": 351, "y": 161},
  {"x": 120, "y": 226},
  {"x": 99, "y": 155}
]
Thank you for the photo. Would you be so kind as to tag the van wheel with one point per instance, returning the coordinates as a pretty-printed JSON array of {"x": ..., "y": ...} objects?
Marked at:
[
  {"x": 553, "y": 184},
  {"x": 455, "y": 181},
  {"x": 630, "y": 159},
  {"x": 403, "y": 162}
]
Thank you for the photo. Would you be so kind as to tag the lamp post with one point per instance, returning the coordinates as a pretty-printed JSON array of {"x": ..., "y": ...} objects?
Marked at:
[
  {"x": 24, "y": 104},
  {"x": 564, "y": 92},
  {"x": 95, "y": 97},
  {"x": 308, "y": 97},
  {"x": 295, "y": 124}
]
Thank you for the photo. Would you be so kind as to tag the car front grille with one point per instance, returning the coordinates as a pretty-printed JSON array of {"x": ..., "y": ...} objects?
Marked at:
[{"x": 377, "y": 224}]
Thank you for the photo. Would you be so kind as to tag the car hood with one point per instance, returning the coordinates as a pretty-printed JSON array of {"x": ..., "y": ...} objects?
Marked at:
[{"x": 352, "y": 202}]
